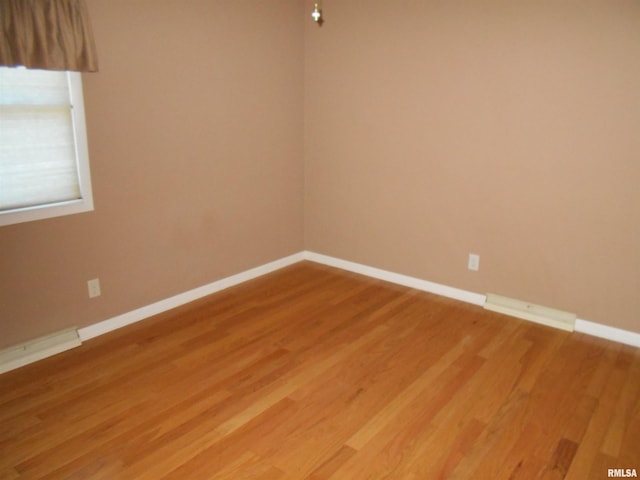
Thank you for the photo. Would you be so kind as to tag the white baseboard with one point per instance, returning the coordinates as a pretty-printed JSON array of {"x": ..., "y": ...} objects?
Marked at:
[
  {"x": 38, "y": 349},
  {"x": 142, "y": 313},
  {"x": 411, "y": 282},
  {"x": 610, "y": 333},
  {"x": 139, "y": 314},
  {"x": 582, "y": 326},
  {"x": 91, "y": 331}
]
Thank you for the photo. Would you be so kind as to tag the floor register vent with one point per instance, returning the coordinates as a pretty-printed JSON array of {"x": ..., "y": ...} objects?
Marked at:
[
  {"x": 34, "y": 350},
  {"x": 528, "y": 311}
]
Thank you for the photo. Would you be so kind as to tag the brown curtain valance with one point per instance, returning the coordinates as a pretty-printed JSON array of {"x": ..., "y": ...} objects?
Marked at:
[{"x": 47, "y": 34}]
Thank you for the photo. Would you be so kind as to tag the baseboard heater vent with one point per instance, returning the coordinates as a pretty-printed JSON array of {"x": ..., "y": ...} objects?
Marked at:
[
  {"x": 528, "y": 311},
  {"x": 34, "y": 350}
]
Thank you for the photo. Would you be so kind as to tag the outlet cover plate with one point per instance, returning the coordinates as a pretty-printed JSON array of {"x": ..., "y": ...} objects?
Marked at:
[
  {"x": 474, "y": 262},
  {"x": 94, "y": 288}
]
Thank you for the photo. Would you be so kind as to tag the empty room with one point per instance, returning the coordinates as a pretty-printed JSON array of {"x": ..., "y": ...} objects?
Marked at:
[{"x": 298, "y": 240}]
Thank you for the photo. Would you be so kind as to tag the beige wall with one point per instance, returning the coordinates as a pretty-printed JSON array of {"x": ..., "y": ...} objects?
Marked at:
[
  {"x": 430, "y": 129},
  {"x": 508, "y": 129},
  {"x": 195, "y": 139}
]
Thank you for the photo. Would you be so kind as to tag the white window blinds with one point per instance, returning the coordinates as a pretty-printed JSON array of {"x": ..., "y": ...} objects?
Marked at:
[{"x": 39, "y": 155}]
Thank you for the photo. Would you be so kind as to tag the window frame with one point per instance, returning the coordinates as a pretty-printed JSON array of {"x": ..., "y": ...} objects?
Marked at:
[{"x": 69, "y": 207}]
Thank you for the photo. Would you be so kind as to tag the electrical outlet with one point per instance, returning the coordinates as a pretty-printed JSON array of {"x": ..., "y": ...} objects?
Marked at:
[
  {"x": 94, "y": 288},
  {"x": 474, "y": 262}
]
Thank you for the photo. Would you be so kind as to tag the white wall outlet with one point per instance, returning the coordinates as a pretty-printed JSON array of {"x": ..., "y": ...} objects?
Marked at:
[
  {"x": 94, "y": 288},
  {"x": 474, "y": 262}
]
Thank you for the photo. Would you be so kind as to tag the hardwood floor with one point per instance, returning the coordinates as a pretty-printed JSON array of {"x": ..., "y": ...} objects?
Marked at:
[{"x": 313, "y": 373}]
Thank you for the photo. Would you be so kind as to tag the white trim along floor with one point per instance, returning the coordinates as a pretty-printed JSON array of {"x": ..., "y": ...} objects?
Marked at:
[{"x": 105, "y": 326}]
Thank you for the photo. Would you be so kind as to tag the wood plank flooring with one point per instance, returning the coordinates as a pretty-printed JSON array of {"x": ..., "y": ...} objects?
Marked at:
[{"x": 312, "y": 373}]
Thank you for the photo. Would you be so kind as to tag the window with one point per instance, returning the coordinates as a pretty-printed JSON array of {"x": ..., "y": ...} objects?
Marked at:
[{"x": 44, "y": 162}]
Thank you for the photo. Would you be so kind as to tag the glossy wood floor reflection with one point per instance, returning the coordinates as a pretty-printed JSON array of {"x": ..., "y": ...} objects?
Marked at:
[{"x": 313, "y": 373}]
